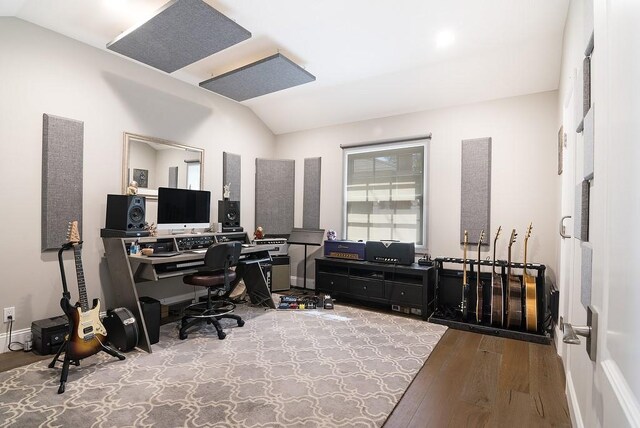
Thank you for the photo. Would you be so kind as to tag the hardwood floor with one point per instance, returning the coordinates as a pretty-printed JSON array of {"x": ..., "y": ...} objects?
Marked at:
[
  {"x": 473, "y": 380},
  {"x": 11, "y": 360}
]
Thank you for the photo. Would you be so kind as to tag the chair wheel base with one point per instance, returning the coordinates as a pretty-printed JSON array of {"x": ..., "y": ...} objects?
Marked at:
[
  {"x": 222, "y": 335},
  {"x": 240, "y": 323},
  {"x": 182, "y": 336}
]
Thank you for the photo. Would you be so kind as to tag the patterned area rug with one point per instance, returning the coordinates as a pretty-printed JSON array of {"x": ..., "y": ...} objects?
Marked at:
[{"x": 316, "y": 368}]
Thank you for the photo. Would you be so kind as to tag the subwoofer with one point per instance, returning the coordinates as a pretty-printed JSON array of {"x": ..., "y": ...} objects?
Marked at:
[
  {"x": 125, "y": 212},
  {"x": 229, "y": 215}
]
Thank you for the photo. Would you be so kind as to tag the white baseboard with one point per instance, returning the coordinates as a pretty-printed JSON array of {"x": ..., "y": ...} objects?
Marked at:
[
  {"x": 19, "y": 336},
  {"x": 297, "y": 281},
  {"x": 572, "y": 402}
]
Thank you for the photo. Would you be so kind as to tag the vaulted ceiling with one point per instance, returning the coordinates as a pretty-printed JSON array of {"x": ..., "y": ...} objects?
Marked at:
[{"x": 371, "y": 58}]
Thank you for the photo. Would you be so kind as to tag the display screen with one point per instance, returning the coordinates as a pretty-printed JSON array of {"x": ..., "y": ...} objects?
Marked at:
[{"x": 182, "y": 208}]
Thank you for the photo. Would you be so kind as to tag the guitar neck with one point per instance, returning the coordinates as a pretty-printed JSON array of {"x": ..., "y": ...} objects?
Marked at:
[
  {"x": 82, "y": 289},
  {"x": 524, "y": 270}
]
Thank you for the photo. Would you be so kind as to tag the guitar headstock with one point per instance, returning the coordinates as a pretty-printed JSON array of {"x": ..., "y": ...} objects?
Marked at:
[
  {"x": 528, "y": 235},
  {"x": 480, "y": 239},
  {"x": 466, "y": 238},
  {"x": 73, "y": 235},
  {"x": 497, "y": 234},
  {"x": 512, "y": 239}
]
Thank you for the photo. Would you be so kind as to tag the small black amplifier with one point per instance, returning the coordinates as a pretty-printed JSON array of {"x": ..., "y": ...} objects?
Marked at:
[
  {"x": 48, "y": 334},
  {"x": 394, "y": 252}
]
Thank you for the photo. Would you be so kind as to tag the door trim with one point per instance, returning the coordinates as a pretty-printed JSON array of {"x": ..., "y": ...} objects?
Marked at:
[
  {"x": 572, "y": 402},
  {"x": 622, "y": 391}
]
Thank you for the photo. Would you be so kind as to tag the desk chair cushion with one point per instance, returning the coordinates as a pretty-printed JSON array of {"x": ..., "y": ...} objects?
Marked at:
[{"x": 209, "y": 278}]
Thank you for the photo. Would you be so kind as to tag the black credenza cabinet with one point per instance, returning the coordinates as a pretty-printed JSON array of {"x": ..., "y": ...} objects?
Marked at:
[{"x": 405, "y": 286}]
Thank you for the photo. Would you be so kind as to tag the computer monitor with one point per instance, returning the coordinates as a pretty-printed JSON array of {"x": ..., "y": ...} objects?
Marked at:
[{"x": 183, "y": 209}]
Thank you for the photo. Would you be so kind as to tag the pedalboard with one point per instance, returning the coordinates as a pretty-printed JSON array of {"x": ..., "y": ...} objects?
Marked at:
[{"x": 299, "y": 302}]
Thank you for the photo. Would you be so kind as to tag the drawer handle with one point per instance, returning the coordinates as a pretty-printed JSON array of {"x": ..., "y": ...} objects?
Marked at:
[
  {"x": 402, "y": 293},
  {"x": 331, "y": 282},
  {"x": 364, "y": 288}
]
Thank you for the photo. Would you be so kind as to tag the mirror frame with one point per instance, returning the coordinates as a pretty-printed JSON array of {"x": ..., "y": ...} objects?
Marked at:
[{"x": 128, "y": 137}]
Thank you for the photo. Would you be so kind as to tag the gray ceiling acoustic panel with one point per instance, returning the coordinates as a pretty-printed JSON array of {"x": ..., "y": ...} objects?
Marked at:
[
  {"x": 262, "y": 77},
  {"x": 180, "y": 33}
]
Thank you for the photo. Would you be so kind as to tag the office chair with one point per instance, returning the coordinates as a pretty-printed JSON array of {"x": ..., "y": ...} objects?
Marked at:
[{"x": 217, "y": 277}]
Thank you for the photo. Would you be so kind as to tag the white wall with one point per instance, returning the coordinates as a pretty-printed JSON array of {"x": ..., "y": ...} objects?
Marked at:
[
  {"x": 44, "y": 72},
  {"x": 523, "y": 176}
]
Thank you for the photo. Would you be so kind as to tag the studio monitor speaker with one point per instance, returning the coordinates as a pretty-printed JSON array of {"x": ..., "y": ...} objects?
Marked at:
[
  {"x": 125, "y": 212},
  {"x": 229, "y": 214}
]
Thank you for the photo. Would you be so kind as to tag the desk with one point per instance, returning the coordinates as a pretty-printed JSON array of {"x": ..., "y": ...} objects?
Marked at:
[{"x": 128, "y": 270}]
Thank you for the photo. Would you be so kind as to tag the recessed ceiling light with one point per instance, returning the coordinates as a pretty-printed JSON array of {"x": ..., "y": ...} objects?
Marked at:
[{"x": 445, "y": 39}]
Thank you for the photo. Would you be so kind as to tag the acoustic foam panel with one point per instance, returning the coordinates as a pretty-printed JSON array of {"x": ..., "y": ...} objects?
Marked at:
[
  {"x": 311, "y": 198},
  {"x": 62, "y": 141},
  {"x": 173, "y": 177},
  {"x": 586, "y": 271},
  {"x": 262, "y": 77},
  {"x": 231, "y": 174},
  {"x": 475, "y": 204},
  {"x": 586, "y": 85},
  {"x": 584, "y": 215},
  {"x": 587, "y": 146},
  {"x": 275, "y": 195},
  {"x": 578, "y": 94},
  {"x": 577, "y": 213},
  {"x": 180, "y": 33}
]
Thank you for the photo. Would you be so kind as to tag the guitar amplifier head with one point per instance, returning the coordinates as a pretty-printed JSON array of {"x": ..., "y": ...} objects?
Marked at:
[
  {"x": 393, "y": 252},
  {"x": 281, "y": 246}
]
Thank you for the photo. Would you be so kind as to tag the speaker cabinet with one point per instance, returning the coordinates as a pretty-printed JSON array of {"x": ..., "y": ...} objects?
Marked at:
[
  {"x": 125, "y": 212},
  {"x": 229, "y": 214}
]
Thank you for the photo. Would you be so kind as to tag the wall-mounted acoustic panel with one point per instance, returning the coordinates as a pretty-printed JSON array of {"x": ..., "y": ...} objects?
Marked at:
[
  {"x": 586, "y": 85},
  {"x": 578, "y": 95},
  {"x": 262, "y": 77},
  {"x": 180, "y": 33},
  {"x": 275, "y": 195},
  {"x": 475, "y": 205},
  {"x": 587, "y": 146},
  {"x": 311, "y": 197},
  {"x": 231, "y": 174},
  {"x": 586, "y": 274},
  {"x": 62, "y": 141}
]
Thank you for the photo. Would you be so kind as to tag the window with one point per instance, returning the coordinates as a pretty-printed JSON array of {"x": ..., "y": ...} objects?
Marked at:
[{"x": 384, "y": 195}]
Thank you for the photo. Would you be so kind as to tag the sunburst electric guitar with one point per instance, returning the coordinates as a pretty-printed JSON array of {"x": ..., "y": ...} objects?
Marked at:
[
  {"x": 497, "y": 291},
  {"x": 479, "y": 285},
  {"x": 87, "y": 332},
  {"x": 514, "y": 292},
  {"x": 464, "y": 305},
  {"x": 531, "y": 300}
]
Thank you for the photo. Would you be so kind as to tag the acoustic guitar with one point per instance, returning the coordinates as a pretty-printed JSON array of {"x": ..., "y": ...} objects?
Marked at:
[
  {"x": 530, "y": 298},
  {"x": 464, "y": 305},
  {"x": 514, "y": 292},
  {"x": 479, "y": 285},
  {"x": 497, "y": 291},
  {"x": 87, "y": 333}
]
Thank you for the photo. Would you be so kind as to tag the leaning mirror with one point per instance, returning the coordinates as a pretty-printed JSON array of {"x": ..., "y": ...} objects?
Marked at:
[{"x": 153, "y": 163}]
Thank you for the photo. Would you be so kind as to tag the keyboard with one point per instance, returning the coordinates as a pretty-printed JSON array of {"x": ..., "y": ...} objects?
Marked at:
[{"x": 165, "y": 254}]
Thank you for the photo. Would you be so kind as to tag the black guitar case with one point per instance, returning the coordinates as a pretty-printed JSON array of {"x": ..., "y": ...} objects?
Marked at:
[{"x": 122, "y": 328}]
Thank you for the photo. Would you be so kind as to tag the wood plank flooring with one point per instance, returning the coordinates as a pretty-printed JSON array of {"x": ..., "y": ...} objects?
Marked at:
[{"x": 473, "y": 380}]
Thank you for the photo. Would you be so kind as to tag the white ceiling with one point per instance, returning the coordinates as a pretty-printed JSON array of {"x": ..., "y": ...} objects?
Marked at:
[{"x": 371, "y": 58}]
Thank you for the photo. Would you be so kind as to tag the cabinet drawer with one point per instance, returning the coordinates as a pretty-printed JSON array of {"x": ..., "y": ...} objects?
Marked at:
[
  {"x": 331, "y": 282},
  {"x": 408, "y": 294},
  {"x": 366, "y": 288}
]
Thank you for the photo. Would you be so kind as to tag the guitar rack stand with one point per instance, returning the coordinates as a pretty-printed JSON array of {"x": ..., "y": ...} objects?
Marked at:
[
  {"x": 449, "y": 294},
  {"x": 66, "y": 297}
]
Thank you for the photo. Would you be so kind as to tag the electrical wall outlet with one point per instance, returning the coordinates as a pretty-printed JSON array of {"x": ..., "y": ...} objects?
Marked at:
[{"x": 9, "y": 312}]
